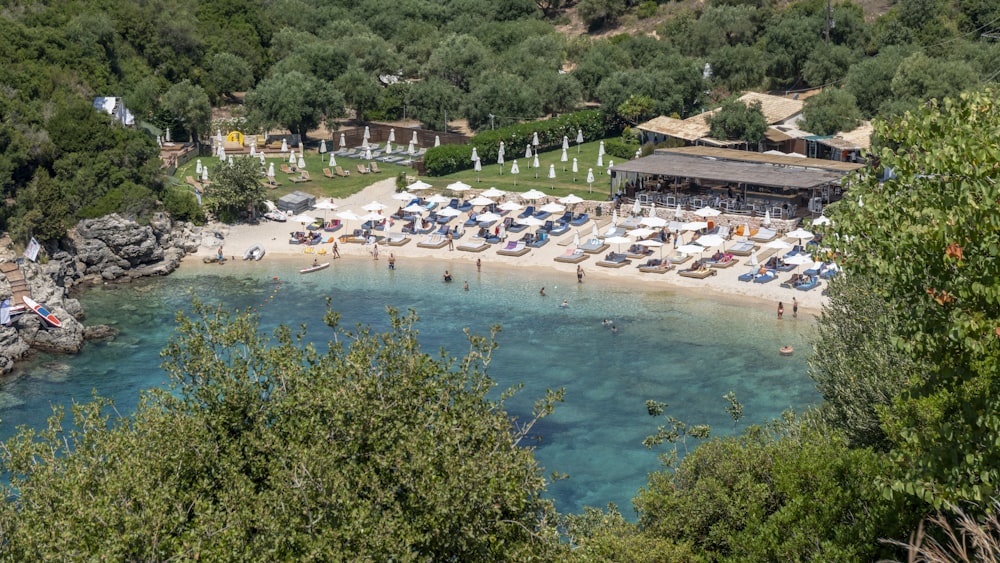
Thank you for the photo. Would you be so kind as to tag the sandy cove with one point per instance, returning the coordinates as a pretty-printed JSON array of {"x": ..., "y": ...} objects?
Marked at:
[{"x": 274, "y": 238}]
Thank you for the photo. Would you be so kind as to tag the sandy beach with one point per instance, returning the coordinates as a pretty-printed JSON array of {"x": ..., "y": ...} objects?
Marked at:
[{"x": 274, "y": 236}]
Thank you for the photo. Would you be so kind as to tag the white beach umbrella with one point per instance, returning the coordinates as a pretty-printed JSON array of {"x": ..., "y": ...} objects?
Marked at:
[
  {"x": 690, "y": 249},
  {"x": 374, "y": 206},
  {"x": 552, "y": 174},
  {"x": 333, "y": 161},
  {"x": 571, "y": 200},
  {"x": 778, "y": 244},
  {"x": 754, "y": 260},
  {"x": 402, "y": 196},
  {"x": 222, "y": 153},
  {"x": 594, "y": 232},
  {"x": 415, "y": 140},
  {"x": 641, "y": 232},
  {"x": 270, "y": 170},
  {"x": 694, "y": 226},
  {"x": 478, "y": 167},
  {"x": 322, "y": 147},
  {"x": 707, "y": 212},
  {"x": 652, "y": 244},
  {"x": 579, "y": 139},
  {"x": 600, "y": 161},
  {"x": 618, "y": 240},
  {"x": 168, "y": 134},
  {"x": 475, "y": 154},
  {"x": 553, "y": 208},
  {"x": 367, "y": 135},
  {"x": 655, "y": 222},
  {"x": 302, "y": 218},
  {"x": 636, "y": 207},
  {"x": 302, "y": 162},
  {"x": 418, "y": 185},
  {"x": 392, "y": 135},
  {"x": 767, "y": 217},
  {"x": 500, "y": 162},
  {"x": 679, "y": 213},
  {"x": 291, "y": 157},
  {"x": 502, "y": 149},
  {"x": 800, "y": 234},
  {"x": 368, "y": 154},
  {"x": 610, "y": 164},
  {"x": 204, "y": 174},
  {"x": 458, "y": 186},
  {"x": 565, "y": 144},
  {"x": 437, "y": 140},
  {"x": 487, "y": 217},
  {"x": 373, "y": 217},
  {"x": 708, "y": 241},
  {"x": 325, "y": 205},
  {"x": 449, "y": 212},
  {"x": 600, "y": 149},
  {"x": 530, "y": 221},
  {"x": 514, "y": 170},
  {"x": 535, "y": 165},
  {"x": 414, "y": 208},
  {"x": 262, "y": 161},
  {"x": 614, "y": 217},
  {"x": 410, "y": 149},
  {"x": 510, "y": 206},
  {"x": 481, "y": 200},
  {"x": 253, "y": 150},
  {"x": 564, "y": 158},
  {"x": 230, "y": 160},
  {"x": 821, "y": 220},
  {"x": 534, "y": 139},
  {"x": 798, "y": 260},
  {"x": 284, "y": 145},
  {"x": 388, "y": 147},
  {"x": 438, "y": 198},
  {"x": 494, "y": 193},
  {"x": 746, "y": 231},
  {"x": 532, "y": 194},
  {"x": 576, "y": 240},
  {"x": 590, "y": 178},
  {"x": 527, "y": 151},
  {"x": 343, "y": 141},
  {"x": 576, "y": 168},
  {"x": 197, "y": 167}
]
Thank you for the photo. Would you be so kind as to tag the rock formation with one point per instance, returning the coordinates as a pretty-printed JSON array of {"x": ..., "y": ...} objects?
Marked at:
[{"x": 109, "y": 249}]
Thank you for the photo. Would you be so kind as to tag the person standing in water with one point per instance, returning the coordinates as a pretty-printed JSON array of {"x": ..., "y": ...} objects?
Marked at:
[
  {"x": 392, "y": 261},
  {"x": 781, "y": 309},
  {"x": 579, "y": 274}
]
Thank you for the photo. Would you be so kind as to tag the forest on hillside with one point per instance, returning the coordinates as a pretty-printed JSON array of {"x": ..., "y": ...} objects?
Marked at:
[
  {"x": 907, "y": 352},
  {"x": 306, "y": 62}
]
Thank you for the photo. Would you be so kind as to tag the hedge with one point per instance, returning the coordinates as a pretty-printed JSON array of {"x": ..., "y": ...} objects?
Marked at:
[{"x": 447, "y": 159}]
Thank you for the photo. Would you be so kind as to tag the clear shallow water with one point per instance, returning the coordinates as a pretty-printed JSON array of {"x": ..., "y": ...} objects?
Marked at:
[{"x": 685, "y": 350}]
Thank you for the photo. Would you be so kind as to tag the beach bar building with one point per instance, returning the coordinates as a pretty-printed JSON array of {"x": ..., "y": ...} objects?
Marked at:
[{"x": 732, "y": 181}]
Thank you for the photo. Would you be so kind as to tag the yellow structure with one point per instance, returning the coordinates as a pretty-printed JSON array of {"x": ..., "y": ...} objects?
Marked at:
[{"x": 235, "y": 137}]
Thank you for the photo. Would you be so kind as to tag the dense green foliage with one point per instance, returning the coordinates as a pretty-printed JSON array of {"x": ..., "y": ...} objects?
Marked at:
[
  {"x": 266, "y": 449},
  {"x": 736, "y": 120}
]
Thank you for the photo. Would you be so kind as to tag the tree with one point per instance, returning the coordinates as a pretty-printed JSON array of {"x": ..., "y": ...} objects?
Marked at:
[
  {"x": 500, "y": 94},
  {"x": 457, "y": 59},
  {"x": 830, "y": 111},
  {"x": 827, "y": 64},
  {"x": 738, "y": 68},
  {"x": 235, "y": 188},
  {"x": 936, "y": 213},
  {"x": 230, "y": 73},
  {"x": 432, "y": 100},
  {"x": 870, "y": 80},
  {"x": 361, "y": 91},
  {"x": 268, "y": 448},
  {"x": 920, "y": 77},
  {"x": 736, "y": 120},
  {"x": 296, "y": 101},
  {"x": 598, "y": 13},
  {"x": 190, "y": 106}
]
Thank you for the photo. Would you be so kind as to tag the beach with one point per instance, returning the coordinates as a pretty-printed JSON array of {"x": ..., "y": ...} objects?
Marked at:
[{"x": 274, "y": 237}]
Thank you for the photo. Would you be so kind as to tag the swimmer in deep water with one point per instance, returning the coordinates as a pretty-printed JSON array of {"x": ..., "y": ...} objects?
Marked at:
[
  {"x": 564, "y": 304},
  {"x": 447, "y": 276}
]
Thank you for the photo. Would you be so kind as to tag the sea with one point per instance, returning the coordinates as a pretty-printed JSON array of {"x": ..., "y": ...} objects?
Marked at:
[{"x": 679, "y": 347}]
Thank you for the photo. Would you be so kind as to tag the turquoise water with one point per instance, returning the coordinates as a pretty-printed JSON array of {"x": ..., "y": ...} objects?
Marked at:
[{"x": 683, "y": 349}]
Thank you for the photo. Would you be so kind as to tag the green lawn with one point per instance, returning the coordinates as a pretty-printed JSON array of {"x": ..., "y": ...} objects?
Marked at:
[{"x": 562, "y": 185}]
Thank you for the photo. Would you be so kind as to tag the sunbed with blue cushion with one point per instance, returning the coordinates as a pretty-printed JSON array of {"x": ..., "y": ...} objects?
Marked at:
[
  {"x": 579, "y": 219},
  {"x": 768, "y": 276},
  {"x": 814, "y": 270},
  {"x": 528, "y": 212},
  {"x": 558, "y": 229},
  {"x": 813, "y": 282},
  {"x": 541, "y": 239},
  {"x": 464, "y": 206},
  {"x": 542, "y": 215},
  {"x": 566, "y": 217}
]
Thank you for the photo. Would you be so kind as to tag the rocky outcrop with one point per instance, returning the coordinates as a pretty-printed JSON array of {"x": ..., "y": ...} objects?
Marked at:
[{"x": 109, "y": 249}]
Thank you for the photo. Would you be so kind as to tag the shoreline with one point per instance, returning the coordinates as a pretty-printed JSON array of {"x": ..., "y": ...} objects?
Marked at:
[{"x": 274, "y": 238}]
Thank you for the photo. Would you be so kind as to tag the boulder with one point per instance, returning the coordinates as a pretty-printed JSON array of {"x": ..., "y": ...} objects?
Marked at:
[{"x": 100, "y": 332}]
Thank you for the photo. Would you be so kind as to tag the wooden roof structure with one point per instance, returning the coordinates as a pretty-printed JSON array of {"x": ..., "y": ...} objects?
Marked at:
[
  {"x": 745, "y": 168},
  {"x": 776, "y": 109}
]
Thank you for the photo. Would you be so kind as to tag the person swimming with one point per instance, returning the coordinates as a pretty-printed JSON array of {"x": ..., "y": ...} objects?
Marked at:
[
  {"x": 447, "y": 276},
  {"x": 564, "y": 304},
  {"x": 606, "y": 322}
]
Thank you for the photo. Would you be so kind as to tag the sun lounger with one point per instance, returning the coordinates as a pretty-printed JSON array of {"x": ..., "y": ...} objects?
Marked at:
[
  {"x": 700, "y": 273},
  {"x": 433, "y": 241},
  {"x": 764, "y": 235},
  {"x": 572, "y": 256},
  {"x": 328, "y": 173},
  {"x": 374, "y": 168},
  {"x": 477, "y": 245},
  {"x": 558, "y": 229},
  {"x": 727, "y": 261},
  {"x": 679, "y": 258},
  {"x": 594, "y": 246},
  {"x": 814, "y": 270},
  {"x": 614, "y": 260},
  {"x": 630, "y": 223},
  {"x": 766, "y": 277},
  {"x": 362, "y": 169},
  {"x": 742, "y": 248},
  {"x": 396, "y": 239},
  {"x": 528, "y": 212},
  {"x": 342, "y": 173},
  {"x": 333, "y": 225},
  {"x": 747, "y": 277},
  {"x": 302, "y": 177},
  {"x": 812, "y": 283},
  {"x": 615, "y": 232},
  {"x": 661, "y": 268},
  {"x": 519, "y": 248},
  {"x": 540, "y": 240}
]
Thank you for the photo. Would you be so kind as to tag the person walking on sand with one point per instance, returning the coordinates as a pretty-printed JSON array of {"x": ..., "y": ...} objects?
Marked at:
[
  {"x": 795, "y": 308},
  {"x": 781, "y": 309},
  {"x": 336, "y": 250},
  {"x": 479, "y": 264},
  {"x": 579, "y": 274},
  {"x": 392, "y": 261},
  {"x": 375, "y": 250},
  {"x": 221, "y": 255}
]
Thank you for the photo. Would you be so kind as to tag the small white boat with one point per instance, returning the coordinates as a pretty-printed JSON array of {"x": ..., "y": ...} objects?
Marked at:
[
  {"x": 277, "y": 216},
  {"x": 314, "y": 268},
  {"x": 255, "y": 252}
]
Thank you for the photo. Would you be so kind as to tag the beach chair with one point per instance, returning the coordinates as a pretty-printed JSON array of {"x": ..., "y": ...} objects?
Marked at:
[
  {"x": 192, "y": 182},
  {"x": 528, "y": 212},
  {"x": 302, "y": 177},
  {"x": 362, "y": 169},
  {"x": 579, "y": 219},
  {"x": 328, "y": 173},
  {"x": 374, "y": 168},
  {"x": 342, "y": 173},
  {"x": 286, "y": 169}
]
